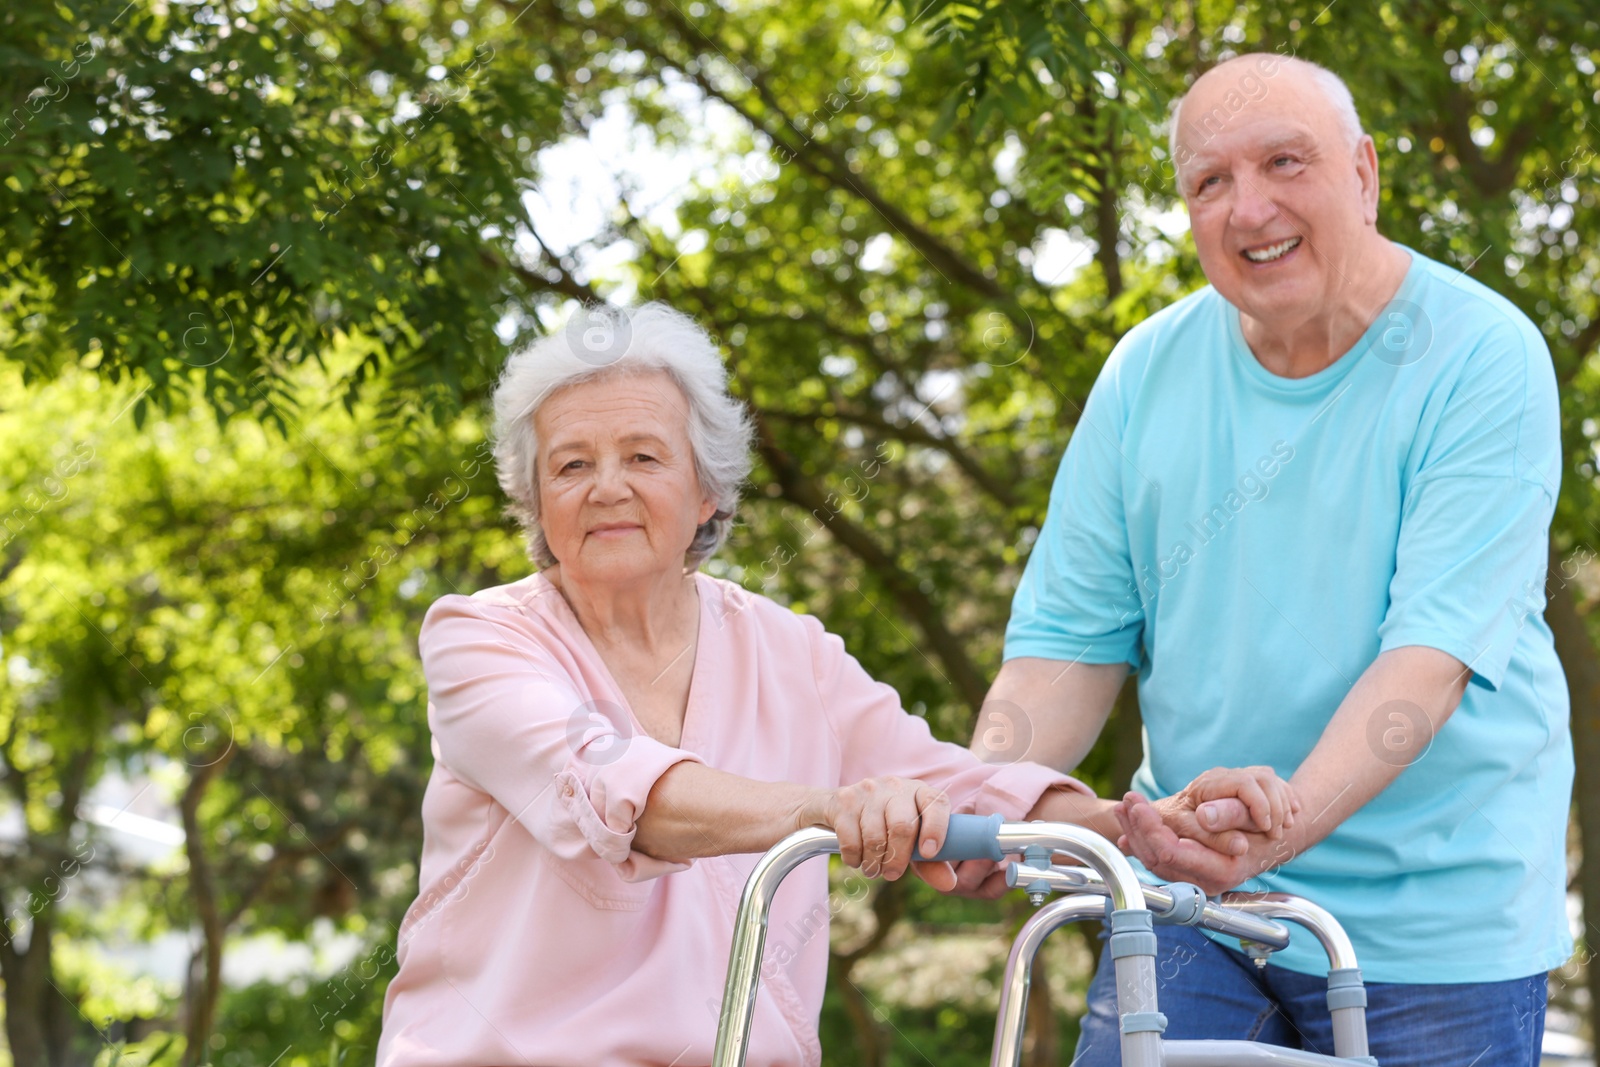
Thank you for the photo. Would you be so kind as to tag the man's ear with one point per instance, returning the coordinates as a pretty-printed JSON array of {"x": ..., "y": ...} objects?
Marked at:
[{"x": 1367, "y": 175}]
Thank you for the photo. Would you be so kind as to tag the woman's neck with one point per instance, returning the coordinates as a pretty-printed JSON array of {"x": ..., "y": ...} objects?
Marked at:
[{"x": 645, "y": 615}]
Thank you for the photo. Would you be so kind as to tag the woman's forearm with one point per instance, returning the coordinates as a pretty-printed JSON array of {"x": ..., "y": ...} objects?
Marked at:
[
  {"x": 1060, "y": 804},
  {"x": 695, "y": 811}
]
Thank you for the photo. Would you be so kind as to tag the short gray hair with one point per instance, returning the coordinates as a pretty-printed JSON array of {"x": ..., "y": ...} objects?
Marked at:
[
  {"x": 602, "y": 341},
  {"x": 1333, "y": 88}
]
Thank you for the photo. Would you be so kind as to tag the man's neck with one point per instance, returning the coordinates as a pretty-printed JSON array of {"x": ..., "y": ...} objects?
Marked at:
[{"x": 1316, "y": 343}]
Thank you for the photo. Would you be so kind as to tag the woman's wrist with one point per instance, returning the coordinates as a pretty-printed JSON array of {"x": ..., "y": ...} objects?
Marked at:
[
  {"x": 811, "y": 807},
  {"x": 1061, "y": 804}
]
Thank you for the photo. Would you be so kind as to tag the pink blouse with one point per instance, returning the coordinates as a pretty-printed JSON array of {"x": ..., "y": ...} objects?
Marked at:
[{"x": 539, "y": 936}]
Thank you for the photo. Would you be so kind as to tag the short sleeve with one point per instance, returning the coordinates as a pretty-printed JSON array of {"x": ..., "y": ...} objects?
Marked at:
[
  {"x": 878, "y": 737},
  {"x": 1078, "y": 600},
  {"x": 509, "y": 722},
  {"x": 1474, "y": 529}
]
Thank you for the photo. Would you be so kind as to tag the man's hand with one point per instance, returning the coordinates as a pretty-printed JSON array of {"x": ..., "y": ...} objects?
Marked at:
[
  {"x": 1228, "y": 814},
  {"x": 1148, "y": 835},
  {"x": 1199, "y": 834},
  {"x": 1224, "y": 807}
]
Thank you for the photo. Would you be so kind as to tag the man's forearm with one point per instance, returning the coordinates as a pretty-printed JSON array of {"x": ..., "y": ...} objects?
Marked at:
[
  {"x": 1384, "y": 724},
  {"x": 1046, "y": 711}
]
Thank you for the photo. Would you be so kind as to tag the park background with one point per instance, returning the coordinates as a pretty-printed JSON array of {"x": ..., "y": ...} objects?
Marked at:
[{"x": 263, "y": 259}]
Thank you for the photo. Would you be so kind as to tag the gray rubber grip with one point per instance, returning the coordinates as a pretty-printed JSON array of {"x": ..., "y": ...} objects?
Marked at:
[{"x": 970, "y": 837}]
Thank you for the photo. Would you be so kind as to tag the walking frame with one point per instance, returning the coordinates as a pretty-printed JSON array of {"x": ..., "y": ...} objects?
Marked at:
[{"x": 1133, "y": 908}]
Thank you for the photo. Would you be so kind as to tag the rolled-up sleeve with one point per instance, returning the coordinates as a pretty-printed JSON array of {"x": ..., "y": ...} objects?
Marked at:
[
  {"x": 878, "y": 737},
  {"x": 509, "y": 721}
]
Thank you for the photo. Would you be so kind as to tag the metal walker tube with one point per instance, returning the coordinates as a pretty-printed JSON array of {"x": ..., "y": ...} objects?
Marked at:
[
  {"x": 1347, "y": 997},
  {"x": 1133, "y": 941},
  {"x": 750, "y": 936},
  {"x": 1245, "y": 915},
  {"x": 1019, "y": 970},
  {"x": 750, "y": 927},
  {"x": 1160, "y": 900}
]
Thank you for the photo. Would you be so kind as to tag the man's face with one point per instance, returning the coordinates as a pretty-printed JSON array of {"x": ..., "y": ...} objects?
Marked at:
[{"x": 1278, "y": 198}]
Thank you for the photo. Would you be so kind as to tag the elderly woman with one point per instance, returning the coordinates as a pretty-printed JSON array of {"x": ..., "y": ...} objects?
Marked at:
[{"x": 618, "y": 734}]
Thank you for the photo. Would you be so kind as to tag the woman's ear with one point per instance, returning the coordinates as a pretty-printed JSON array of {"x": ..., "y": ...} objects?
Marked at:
[{"x": 708, "y": 508}]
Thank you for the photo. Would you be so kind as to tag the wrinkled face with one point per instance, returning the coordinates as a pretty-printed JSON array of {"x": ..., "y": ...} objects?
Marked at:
[
  {"x": 619, "y": 498},
  {"x": 1279, "y": 200}
]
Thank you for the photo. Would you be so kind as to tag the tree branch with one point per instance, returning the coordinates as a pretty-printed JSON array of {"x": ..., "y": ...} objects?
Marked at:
[
  {"x": 1582, "y": 346},
  {"x": 798, "y": 488},
  {"x": 557, "y": 280},
  {"x": 281, "y": 858},
  {"x": 811, "y": 155},
  {"x": 888, "y": 905},
  {"x": 1102, "y": 168},
  {"x": 913, "y": 433},
  {"x": 1491, "y": 178}
]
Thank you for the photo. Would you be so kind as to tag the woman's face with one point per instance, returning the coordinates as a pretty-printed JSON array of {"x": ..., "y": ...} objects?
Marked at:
[{"x": 619, "y": 498}]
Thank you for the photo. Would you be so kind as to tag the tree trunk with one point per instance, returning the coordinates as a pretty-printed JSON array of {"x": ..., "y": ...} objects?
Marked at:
[
  {"x": 1041, "y": 1039},
  {"x": 1582, "y": 666},
  {"x": 205, "y": 971},
  {"x": 43, "y": 1027},
  {"x": 1102, "y": 172},
  {"x": 25, "y": 985},
  {"x": 869, "y": 1032},
  {"x": 888, "y": 905}
]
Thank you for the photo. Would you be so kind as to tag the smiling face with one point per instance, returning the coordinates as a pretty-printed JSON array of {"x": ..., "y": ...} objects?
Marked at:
[
  {"x": 1282, "y": 205},
  {"x": 619, "y": 499}
]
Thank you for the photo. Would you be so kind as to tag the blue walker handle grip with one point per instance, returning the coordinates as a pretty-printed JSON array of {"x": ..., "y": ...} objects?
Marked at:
[{"x": 970, "y": 837}]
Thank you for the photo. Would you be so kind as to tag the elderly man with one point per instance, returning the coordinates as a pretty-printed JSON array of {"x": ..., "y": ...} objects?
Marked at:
[{"x": 1309, "y": 504}]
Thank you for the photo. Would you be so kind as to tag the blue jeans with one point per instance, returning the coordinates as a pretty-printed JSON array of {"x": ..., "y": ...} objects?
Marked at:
[{"x": 1207, "y": 990}]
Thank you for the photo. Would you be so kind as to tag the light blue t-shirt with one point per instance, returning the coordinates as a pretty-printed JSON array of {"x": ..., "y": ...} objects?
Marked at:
[{"x": 1251, "y": 543}]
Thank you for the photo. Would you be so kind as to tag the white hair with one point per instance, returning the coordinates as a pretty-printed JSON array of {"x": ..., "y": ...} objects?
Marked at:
[
  {"x": 1332, "y": 86},
  {"x": 603, "y": 341}
]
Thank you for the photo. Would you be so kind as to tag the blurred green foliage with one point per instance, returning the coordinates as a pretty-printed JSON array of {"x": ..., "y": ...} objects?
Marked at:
[{"x": 234, "y": 187}]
